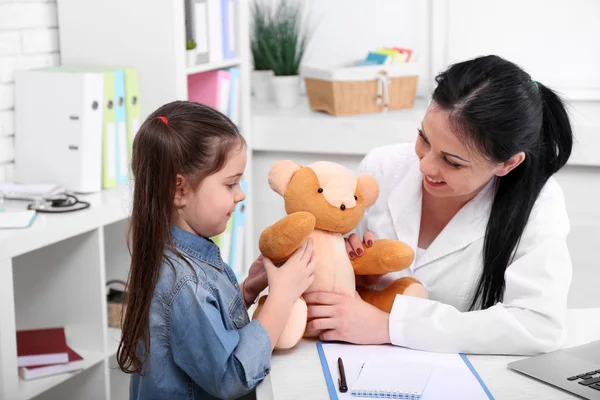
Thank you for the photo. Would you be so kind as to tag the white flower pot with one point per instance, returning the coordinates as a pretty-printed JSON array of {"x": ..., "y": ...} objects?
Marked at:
[
  {"x": 191, "y": 57},
  {"x": 262, "y": 84},
  {"x": 287, "y": 90}
]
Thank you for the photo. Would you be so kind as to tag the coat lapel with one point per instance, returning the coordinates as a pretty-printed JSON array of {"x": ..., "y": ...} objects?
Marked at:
[
  {"x": 467, "y": 226},
  {"x": 404, "y": 204}
]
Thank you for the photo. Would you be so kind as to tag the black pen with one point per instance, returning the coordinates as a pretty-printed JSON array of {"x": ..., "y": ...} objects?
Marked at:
[{"x": 342, "y": 379}]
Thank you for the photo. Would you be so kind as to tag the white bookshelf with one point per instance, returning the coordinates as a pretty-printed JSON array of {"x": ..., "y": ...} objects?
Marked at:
[{"x": 54, "y": 273}]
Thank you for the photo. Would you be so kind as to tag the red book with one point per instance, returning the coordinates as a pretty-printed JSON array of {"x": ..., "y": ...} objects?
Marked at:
[
  {"x": 41, "y": 347},
  {"x": 75, "y": 363}
]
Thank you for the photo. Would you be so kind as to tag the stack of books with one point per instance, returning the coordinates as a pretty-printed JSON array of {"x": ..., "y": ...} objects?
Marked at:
[{"x": 44, "y": 352}]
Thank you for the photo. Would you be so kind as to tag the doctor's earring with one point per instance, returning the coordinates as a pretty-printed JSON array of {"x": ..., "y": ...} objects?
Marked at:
[{"x": 179, "y": 211}]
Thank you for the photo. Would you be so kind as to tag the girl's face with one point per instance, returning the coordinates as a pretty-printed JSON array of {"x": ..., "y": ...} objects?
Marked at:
[
  {"x": 449, "y": 168},
  {"x": 206, "y": 210}
]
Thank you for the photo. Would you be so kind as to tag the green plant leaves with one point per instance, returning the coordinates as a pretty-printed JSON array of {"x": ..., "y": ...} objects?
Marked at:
[{"x": 278, "y": 41}]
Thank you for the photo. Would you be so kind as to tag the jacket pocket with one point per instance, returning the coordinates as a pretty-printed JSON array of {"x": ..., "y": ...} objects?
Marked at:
[{"x": 238, "y": 313}]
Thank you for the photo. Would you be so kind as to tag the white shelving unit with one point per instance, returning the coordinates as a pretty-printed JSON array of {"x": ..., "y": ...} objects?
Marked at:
[
  {"x": 54, "y": 273},
  {"x": 150, "y": 36}
]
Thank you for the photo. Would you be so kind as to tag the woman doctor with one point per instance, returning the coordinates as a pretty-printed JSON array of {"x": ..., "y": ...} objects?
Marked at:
[{"x": 475, "y": 198}]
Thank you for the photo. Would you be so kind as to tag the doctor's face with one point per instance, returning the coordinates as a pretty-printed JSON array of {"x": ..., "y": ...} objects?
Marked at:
[{"x": 449, "y": 167}]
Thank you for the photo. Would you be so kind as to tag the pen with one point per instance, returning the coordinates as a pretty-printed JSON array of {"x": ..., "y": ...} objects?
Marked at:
[{"x": 342, "y": 379}]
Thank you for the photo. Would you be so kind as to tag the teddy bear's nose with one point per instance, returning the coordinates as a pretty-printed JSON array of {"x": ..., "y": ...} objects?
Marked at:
[{"x": 342, "y": 207}]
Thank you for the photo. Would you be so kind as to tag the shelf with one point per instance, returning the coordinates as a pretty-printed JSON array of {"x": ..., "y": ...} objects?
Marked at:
[
  {"x": 32, "y": 388},
  {"x": 114, "y": 337},
  {"x": 211, "y": 66},
  {"x": 301, "y": 130},
  {"x": 107, "y": 206}
]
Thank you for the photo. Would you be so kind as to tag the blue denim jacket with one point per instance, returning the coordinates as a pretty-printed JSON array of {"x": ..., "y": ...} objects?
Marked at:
[{"x": 202, "y": 343}]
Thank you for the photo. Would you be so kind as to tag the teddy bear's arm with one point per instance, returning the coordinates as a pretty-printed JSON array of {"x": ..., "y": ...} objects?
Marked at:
[
  {"x": 281, "y": 239},
  {"x": 384, "y": 256}
]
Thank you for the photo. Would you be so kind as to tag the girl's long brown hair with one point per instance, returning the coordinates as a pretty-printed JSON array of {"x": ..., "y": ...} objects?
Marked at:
[{"x": 192, "y": 140}]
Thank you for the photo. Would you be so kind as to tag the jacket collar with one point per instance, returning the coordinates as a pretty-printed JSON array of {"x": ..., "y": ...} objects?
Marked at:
[
  {"x": 196, "y": 246},
  {"x": 467, "y": 226}
]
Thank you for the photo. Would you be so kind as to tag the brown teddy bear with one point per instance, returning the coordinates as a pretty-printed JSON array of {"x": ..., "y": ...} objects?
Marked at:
[{"x": 325, "y": 201}]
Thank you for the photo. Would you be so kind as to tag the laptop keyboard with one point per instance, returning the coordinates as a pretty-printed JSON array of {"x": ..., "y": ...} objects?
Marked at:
[{"x": 590, "y": 379}]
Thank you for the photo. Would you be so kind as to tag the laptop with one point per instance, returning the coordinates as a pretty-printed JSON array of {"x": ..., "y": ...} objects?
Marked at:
[{"x": 575, "y": 369}]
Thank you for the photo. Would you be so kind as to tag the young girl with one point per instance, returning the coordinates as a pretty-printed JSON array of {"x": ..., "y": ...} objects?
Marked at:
[{"x": 186, "y": 332}]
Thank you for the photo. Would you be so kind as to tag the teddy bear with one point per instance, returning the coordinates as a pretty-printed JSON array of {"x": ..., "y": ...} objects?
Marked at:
[{"x": 325, "y": 201}]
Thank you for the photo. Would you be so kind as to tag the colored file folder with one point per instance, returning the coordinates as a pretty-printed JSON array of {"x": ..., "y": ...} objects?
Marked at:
[
  {"x": 215, "y": 30},
  {"x": 211, "y": 88},
  {"x": 236, "y": 257},
  {"x": 228, "y": 15},
  {"x": 234, "y": 96},
  {"x": 121, "y": 123},
  {"x": 132, "y": 106}
]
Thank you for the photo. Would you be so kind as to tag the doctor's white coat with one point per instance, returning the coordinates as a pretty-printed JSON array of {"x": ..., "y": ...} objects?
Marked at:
[{"x": 531, "y": 318}]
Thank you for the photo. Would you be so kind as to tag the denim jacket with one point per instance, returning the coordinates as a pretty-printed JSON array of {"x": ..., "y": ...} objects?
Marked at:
[{"x": 202, "y": 343}]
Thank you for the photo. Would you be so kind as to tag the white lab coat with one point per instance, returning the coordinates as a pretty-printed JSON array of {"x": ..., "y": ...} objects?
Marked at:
[{"x": 531, "y": 318}]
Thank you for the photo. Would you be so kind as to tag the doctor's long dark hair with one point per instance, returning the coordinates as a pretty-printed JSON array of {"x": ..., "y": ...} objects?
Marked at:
[
  {"x": 184, "y": 138},
  {"x": 496, "y": 106}
]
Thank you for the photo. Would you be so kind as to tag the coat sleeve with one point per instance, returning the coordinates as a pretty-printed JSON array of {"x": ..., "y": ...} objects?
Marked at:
[
  {"x": 378, "y": 163},
  {"x": 531, "y": 317}
]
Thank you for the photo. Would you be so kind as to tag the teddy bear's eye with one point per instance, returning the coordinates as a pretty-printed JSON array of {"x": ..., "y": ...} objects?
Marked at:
[
  {"x": 320, "y": 190},
  {"x": 355, "y": 198}
]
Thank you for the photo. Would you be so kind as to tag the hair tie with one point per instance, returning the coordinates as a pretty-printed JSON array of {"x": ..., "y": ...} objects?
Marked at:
[
  {"x": 535, "y": 83},
  {"x": 163, "y": 119}
]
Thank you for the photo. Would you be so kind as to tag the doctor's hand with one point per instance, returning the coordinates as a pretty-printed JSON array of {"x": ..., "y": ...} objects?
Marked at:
[
  {"x": 345, "y": 318},
  {"x": 356, "y": 248}
]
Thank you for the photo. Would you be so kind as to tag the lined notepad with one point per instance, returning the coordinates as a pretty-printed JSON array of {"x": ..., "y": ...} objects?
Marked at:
[
  {"x": 388, "y": 379},
  {"x": 385, "y": 367}
]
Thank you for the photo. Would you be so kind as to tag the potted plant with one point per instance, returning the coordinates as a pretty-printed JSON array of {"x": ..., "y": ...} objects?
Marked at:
[
  {"x": 190, "y": 47},
  {"x": 285, "y": 53},
  {"x": 262, "y": 37}
]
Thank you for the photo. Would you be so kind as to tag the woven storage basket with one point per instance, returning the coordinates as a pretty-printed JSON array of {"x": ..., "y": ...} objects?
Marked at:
[
  {"x": 361, "y": 90},
  {"x": 116, "y": 309}
]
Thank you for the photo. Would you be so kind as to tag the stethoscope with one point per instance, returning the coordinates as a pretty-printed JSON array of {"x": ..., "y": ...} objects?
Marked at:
[{"x": 58, "y": 204}]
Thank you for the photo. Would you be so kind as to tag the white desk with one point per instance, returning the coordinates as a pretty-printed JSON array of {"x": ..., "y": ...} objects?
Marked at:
[{"x": 297, "y": 373}]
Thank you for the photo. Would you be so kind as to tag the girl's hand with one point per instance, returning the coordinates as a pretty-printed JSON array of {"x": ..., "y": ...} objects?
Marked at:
[
  {"x": 295, "y": 275},
  {"x": 356, "y": 248},
  {"x": 256, "y": 281},
  {"x": 349, "y": 319}
]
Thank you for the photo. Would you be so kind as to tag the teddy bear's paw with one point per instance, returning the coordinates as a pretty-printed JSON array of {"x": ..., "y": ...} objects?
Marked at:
[
  {"x": 394, "y": 255},
  {"x": 294, "y": 327},
  {"x": 281, "y": 239}
]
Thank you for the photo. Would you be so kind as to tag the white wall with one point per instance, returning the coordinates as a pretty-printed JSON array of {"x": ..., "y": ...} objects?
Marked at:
[
  {"x": 28, "y": 39},
  {"x": 556, "y": 41}
]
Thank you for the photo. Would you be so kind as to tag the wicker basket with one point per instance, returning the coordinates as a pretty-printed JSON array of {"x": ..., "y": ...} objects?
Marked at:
[
  {"x": 116, "y": 308},
  {"x": 361, "y": 90}
]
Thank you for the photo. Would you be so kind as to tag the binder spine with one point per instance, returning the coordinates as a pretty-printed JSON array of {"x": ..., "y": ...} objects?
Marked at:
[{"x": 385, "y": 394}]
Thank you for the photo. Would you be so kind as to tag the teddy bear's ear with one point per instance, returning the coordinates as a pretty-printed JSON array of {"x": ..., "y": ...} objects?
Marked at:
[
  {"x": 369, "y": 187},
  {"x": 280, "y": 175}
]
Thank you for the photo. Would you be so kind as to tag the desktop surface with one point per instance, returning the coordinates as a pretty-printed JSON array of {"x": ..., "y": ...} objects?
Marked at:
[{"x": 297, "y": 373}]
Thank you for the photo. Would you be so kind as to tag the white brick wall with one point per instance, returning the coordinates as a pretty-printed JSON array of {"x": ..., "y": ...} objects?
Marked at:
[{"x": 28, "y": 39}]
